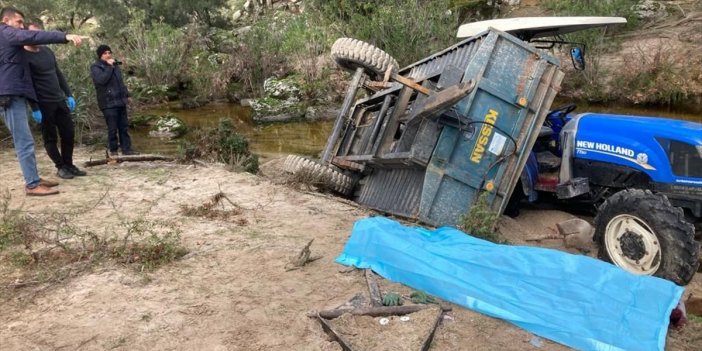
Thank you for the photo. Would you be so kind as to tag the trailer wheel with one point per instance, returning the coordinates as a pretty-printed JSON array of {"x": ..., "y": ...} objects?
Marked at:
[
  {"x": 351, "y": 53},
  {"x": 320, "y": 174},
  {"x": 643, "y": 233}
]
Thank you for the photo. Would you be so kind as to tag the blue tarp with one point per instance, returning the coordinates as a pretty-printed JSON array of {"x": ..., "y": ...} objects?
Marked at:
[{"x": 575, "y": 300}]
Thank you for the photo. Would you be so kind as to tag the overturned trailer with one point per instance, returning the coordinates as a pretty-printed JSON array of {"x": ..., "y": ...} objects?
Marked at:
[{"x": 426, "y": 140}]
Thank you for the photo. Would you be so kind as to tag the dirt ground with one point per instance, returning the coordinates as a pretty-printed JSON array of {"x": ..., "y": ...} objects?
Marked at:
[{"x": 231, "y": 291}]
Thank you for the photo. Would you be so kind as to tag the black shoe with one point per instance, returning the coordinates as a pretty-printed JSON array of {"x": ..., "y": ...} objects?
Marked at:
[
  {"x": 129, "y": 153},
  {"x": 75, "y": 171},
  {"x": 64, "y": 173}
]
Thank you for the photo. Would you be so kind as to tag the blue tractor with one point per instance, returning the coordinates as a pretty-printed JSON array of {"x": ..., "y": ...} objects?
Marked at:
[{"x": 642, "y": 174}]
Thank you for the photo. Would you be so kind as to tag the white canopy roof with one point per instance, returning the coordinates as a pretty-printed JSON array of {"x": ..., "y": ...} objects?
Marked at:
[{"x": 529, "y": 28}]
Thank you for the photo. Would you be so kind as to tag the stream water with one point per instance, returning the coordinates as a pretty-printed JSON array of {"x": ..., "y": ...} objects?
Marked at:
[
  {"x": 303, "y": 138},
  {"x": 267, "y": 140}
]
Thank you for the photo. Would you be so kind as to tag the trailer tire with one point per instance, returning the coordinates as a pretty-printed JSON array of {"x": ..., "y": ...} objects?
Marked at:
[
  {"x": 323, "y": 175},
  {"x": 643, "y": 233},
  {"x": 351, "y": 53}
]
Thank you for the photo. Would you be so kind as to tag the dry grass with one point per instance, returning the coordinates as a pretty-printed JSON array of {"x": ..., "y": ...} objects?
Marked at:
[{"x": 44, "y": 249}]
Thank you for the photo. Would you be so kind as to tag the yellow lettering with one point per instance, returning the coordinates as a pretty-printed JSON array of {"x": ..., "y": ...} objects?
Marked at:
[{"x": 485, "y": 132}]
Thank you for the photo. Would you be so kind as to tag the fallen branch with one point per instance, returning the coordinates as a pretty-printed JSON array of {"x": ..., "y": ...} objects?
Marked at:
[
  {"x": 382, "y": 311},
  {"x": 302, "y": 258},
  {"x": 373, "y": 289},
  {"x": 545, "y": 237},
  {"x": 120, "y": 159}
]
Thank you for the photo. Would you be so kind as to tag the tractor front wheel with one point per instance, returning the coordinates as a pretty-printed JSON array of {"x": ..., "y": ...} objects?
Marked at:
[{"x": 643, "y": 233}]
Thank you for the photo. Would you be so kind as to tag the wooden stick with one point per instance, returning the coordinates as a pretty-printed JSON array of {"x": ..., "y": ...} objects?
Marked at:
[
  {"x": 429, "y": 338},
  {"x": 119, "y": 159},
  {"x": 331, "y": 332},
  {"x": 376, "y": 311},
  {"x": 373, "y": 289}
]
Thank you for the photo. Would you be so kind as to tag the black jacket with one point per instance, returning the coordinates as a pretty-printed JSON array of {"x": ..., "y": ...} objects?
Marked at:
[
  {"x": 109, "y": 86},
  {"x": 49, "y": 83}
]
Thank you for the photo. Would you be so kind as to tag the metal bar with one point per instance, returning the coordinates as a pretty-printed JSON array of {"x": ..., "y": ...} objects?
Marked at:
[
  {"x": 443, "y": 100},
  {"x": 410, "y": 84},
  {"x": 348, "y": 100},
  {"x": 377, "y": 123},
  {"x": 348, "y": 164},
  {"x": 391, "y": 122}
]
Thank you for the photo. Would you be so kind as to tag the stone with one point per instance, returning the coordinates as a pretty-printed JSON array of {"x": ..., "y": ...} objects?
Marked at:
[
  {"x": 650, "y": 10},
  {"x": 574, "y": 226},
  {"x": 578, "y": 234},
  {"x": 283, "y": 117},
  {"x": 236, "y": 15},
  {"x": 168, "y": 126},
  {"x": 286, "y": 88}
]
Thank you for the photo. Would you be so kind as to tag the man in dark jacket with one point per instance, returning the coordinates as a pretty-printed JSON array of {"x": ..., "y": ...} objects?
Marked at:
[
  {"x": 54, "y": 108},
  {"x": 112, "y": 97},
  {"x": 16, "y": 88}
]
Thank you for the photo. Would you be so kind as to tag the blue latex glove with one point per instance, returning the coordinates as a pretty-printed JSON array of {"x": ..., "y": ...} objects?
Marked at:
[
  {"x": 36, "y": 115},
  {"x": 71, "y": 102}
]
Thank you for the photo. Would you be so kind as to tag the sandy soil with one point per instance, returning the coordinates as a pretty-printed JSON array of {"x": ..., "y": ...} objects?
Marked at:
[{"x": 231, "y": 291}]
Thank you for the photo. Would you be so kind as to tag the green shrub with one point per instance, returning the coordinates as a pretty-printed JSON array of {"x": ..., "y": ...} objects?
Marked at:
[
  {"x": 481, "y": 220},
  {"x": 222, "y": 144}
]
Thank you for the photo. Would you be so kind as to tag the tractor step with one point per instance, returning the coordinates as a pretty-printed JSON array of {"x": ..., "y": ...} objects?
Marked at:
[{"x": 573, "y": 188}]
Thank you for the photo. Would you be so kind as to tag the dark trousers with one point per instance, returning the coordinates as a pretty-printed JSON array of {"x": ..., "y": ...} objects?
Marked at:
[
  {"x": 117, "y": 129},
  {"x": 55, "y": 115}
]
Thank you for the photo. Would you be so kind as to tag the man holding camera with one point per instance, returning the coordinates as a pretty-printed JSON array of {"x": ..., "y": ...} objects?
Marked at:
[
  {"x": 16, "y": 88},
  {"x": 112, "y": 97}
]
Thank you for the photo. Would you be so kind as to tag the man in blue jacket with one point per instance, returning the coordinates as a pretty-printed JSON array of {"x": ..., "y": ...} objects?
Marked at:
[
  {"x": 16, "y": 88},
  {"x": 112, "y": 98}
]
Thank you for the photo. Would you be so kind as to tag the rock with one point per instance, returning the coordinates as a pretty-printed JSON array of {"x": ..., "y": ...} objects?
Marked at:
[
  {"x": 286, "y": 88},
  {"x": 578, "y": 234},
  {"x": 247, "y": 5},
  {"x": 283, "y": 117},
  {"x": 281, "y": 103},
  {"x": 245, "y": 102},
  {"x": 650, "y": 10},
  {"x": 168, "y": 126},
  {"x": 236, "y": 15},
  {"x": 321, "y": 113},
  {"x": 271, "y": 106},
  {"x": 574, "y": 226}
]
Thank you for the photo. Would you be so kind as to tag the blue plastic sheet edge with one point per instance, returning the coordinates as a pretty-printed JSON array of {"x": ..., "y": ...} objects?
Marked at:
[{"x": 575, "y": 300}]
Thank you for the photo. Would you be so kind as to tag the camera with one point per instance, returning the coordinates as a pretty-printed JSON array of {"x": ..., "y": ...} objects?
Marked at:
[{"x": 117, "y": 62}]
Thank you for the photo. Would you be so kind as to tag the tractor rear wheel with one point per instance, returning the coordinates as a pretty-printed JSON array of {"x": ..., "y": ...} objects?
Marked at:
[
  {"x": 351, "y": 53},
  {"x": 321, "y": 175},
  {"x": 643, "y": 233}
]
